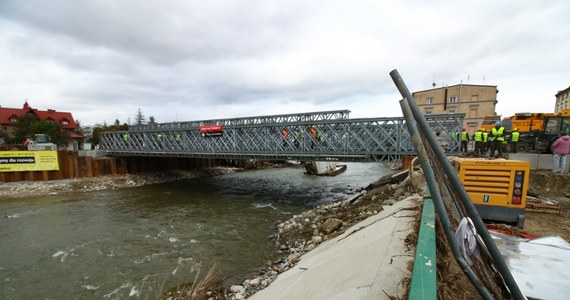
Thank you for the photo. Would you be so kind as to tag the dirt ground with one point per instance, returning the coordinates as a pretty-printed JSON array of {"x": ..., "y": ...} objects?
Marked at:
[
  {"x": 545, "y": 184},
  {"x": 452, "y": 282}
]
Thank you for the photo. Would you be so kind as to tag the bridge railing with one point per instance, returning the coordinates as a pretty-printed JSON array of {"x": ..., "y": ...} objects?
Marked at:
[
  {"x": 255, "y": 120},
  {"x": 370, "y": 139}
]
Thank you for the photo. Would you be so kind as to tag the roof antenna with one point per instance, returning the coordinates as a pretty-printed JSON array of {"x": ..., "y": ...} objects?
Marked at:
[{"x": 433, "y": 82}]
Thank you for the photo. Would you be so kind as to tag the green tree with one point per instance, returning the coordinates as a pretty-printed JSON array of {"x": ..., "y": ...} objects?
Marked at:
[
  {"x": 22, "y": 128},
  {"x": 79, "y": 129},
  {"x": 98, "y": 129},
  {"x": 29, "y": 126},
  {"x": 95, "y": 135},
  {"x": 52, "y": 129}
]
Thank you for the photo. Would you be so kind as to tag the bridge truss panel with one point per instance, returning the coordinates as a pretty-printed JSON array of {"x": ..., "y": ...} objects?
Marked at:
[
  {"x": 257, "y": 120},
  {"x": 371, "y": 139}
]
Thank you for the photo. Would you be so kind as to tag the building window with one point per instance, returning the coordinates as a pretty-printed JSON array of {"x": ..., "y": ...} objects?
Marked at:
[
  {"x": 64, "y": 122},
  {"x": 452, "y": 99},
  {"x": 428, "y": 112},
  {"x": 452, "y": 111},
  {"x": 429, "y": 100},
  {"x": 473, "y": 113},
  {"x": 13, "y": 119}
]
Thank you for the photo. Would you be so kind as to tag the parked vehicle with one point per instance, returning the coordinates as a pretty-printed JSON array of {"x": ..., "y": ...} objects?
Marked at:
[
  {"x": 531, "y": 127},
  {"x": 551, "y": 129}
]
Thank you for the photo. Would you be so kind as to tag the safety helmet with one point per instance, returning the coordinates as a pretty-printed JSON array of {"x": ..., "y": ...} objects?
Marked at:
[
  {"x": 516, "y": 129},
  {"x": 497, "y": 123}
]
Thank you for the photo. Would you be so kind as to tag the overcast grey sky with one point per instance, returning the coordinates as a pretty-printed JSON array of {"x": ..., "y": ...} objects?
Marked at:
[{"x": 189, "y": 60}]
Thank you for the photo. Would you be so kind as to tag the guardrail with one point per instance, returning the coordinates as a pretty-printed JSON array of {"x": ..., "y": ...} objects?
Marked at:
[{"x": 424, "y": 276}]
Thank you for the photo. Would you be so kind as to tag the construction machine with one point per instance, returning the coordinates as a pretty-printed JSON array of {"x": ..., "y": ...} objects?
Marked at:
[
  {"x": 40, "y": 142},
  {"x": 551, "y": 129},
  {"x": 497, "y": 187},
  {"x": 530, "y": 126}
]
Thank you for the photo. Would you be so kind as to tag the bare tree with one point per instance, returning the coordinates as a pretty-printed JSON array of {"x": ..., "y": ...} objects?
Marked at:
[{"x": 140, "y": 118}]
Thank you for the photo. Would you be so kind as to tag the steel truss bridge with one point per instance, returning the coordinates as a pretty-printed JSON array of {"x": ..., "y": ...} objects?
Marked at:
[{"x": 337, "y": 138}]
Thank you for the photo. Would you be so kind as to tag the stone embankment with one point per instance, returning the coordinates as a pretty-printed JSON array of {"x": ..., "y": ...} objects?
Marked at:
[{"x": 304, "y": 232}]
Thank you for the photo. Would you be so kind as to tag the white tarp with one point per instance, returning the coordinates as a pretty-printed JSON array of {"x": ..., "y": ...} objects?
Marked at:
[{"x": 541, "y": 266}]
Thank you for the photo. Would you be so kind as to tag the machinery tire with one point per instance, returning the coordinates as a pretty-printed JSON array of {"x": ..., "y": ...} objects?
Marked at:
[{"x": 522, "y": 148}]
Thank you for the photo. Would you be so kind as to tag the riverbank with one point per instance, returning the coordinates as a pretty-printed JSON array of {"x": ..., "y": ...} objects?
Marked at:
[
  {"x": 15, "y": 190},
  {"x": 23, "y": 189}
]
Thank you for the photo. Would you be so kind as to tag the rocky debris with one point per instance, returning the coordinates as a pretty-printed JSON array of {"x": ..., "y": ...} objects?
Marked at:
[{"x": 304, "y": 232}]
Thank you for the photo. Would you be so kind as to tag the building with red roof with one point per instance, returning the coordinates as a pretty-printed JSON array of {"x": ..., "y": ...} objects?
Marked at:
[{"x": 9, "y": 116}]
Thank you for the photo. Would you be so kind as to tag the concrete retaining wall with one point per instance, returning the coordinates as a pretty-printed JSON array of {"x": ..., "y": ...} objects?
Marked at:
[{"x": 537, "y": 161}]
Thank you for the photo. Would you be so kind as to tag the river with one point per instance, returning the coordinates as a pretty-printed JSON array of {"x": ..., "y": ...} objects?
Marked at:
[{"x": 138, "y": 242}]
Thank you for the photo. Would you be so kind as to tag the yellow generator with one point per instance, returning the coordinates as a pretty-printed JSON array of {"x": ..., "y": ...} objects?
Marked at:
[{"x": 497, "y": 187}]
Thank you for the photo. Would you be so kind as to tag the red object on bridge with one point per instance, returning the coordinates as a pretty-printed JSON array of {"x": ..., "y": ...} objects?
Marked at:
[{"x": 211, "y": 130}]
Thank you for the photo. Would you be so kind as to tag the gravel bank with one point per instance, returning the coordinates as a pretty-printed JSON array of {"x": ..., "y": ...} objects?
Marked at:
[{"x": 23, "y": 189}]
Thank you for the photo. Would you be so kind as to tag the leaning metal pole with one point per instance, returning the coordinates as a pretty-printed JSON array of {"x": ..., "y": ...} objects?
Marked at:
[
  {"x": 438, "y": 202},
  {"x": 454, "y": 180}
]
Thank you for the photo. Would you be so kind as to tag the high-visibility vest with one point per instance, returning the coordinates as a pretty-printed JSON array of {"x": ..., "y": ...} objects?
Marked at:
[
  {"x": 464, "y": 136},
  {"x": 497, "y": 135},
  {"x": 314, "y": 133},
  {"x": 515, "y": 136},
  {"x": 485, "y": 136},
  {"x": 478, "y": 136}
]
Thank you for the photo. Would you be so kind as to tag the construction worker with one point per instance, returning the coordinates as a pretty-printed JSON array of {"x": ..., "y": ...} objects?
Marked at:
[
  {"x": 126, "y": 138},
  {"x": 284, "y": 134},
  {"x": 159, "y": 138},
  {"x": 485, "y": 141},
  {"x": 514, "y": 140},
  {"x": 296, "y": 138},
  {"x": 478, "y": 138},
  {"x": 315, "y": 134},
  {"x": 497, "y": 139},
  {"x": 464, "y": 140}
]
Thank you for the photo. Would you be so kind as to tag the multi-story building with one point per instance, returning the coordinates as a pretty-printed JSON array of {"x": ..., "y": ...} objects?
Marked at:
[
  {"x": 475, "y": 101},
  {"x": 562, "y": 100},
  {"x": 9, "y": 116}
]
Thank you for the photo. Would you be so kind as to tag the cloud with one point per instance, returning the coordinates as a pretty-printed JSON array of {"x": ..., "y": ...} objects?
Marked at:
[{"x": 187, "y": 60}]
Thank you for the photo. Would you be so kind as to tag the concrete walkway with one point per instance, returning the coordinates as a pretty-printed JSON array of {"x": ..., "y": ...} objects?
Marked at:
[{"x": 369, "y": 263}]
